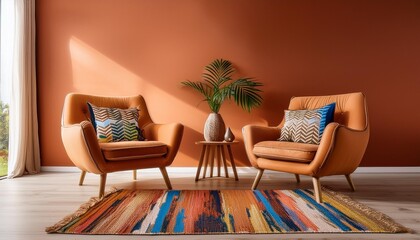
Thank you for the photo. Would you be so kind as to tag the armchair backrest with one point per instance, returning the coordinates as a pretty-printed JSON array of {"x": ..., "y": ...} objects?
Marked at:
[
  {"x": 76, "y": 110},
  {"x": 350, "y": 110}
]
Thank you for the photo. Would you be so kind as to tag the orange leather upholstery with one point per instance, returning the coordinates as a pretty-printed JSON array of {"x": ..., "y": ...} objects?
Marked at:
[
  {"x": 81, "y": 144},
  {"x": 128, "y": 150},
  {"x": 340, "y": 151},
  {"x": 286, "y": 151}
]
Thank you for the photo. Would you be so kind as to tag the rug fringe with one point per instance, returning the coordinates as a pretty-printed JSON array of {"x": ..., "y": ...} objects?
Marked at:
[
  {"x": 385, "y": 220},
  {"x": 82, "y": 210}
]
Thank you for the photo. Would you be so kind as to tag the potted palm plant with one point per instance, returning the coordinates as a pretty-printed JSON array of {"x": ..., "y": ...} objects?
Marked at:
[{"x": 216, "y": 87}]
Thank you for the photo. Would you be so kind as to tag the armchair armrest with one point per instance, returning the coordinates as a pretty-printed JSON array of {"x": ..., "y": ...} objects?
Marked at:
[
  {"x": 82, "y": 147},
  {"x": 253, "y": 134},
  {"x": 170, "y": 134},
  {"x": 340, "y": 151}
]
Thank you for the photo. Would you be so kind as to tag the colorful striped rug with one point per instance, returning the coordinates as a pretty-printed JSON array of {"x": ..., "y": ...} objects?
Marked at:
[{"x": 223, "y": 212}]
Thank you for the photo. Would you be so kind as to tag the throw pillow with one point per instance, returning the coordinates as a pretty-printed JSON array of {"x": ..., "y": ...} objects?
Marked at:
[
  {"x": 115, "y": 124},
  {"x": 306, "y": 126}
]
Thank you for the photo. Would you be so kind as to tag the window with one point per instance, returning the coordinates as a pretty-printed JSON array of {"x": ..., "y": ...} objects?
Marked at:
[
  {"x": 4, "y": 137},
  {"x": 17, "y": 88},
  {"x": 5, "y": 81}
]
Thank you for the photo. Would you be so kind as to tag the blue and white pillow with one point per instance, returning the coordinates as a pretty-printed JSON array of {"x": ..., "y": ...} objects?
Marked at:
[
  {"x": 306, "y": 126},
  {"x": 114, "y": 124}
]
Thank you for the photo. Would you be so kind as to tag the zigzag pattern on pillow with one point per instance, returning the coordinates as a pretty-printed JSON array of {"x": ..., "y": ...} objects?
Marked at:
[
  {"x": 115, "y": 125},
  {"x": 306, "y": 126},
  {"x": 301, "y": 126}
]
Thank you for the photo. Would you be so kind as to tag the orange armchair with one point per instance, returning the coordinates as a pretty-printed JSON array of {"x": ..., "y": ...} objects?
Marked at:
[
  {"x": 340, "y": 151},
  {"x": 89, "y": 155}
]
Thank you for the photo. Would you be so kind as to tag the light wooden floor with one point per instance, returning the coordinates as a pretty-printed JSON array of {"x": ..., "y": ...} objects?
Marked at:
[{"x": 29, "y": 204}]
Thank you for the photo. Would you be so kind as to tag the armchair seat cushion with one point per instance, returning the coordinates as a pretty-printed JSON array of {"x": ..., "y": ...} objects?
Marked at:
[
  {"x": 131, "y": 150},
  {"x": 289, "y": 151}
]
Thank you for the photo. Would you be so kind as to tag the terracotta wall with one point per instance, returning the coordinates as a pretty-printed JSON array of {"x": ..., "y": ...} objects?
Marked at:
[{"x": 126, "y": 47}]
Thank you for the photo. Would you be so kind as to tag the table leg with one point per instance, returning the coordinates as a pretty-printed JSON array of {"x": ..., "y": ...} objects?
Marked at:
[
  {"x": 232, "y": 161},
  {"x": 200, "y": 163},
  {"x": 206, "y": 160},
  {"x": 211, "y": 160},
  {"x": 224, "y": 161},
  {"x": 218, "y": 160}
]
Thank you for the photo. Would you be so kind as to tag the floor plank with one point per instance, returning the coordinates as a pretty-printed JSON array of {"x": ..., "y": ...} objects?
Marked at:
[{"x": 29, "y": 204}]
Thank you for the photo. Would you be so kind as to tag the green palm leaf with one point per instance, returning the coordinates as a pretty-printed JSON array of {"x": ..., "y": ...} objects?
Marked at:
[
  {"x": 199, "y": 86},
  {"x": 219, "y": 86}
]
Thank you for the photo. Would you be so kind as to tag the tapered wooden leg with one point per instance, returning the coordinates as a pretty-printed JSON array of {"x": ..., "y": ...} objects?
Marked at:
[
  {"x": 82, "y": 178},
  {"x": 206, "y": 161},
  {"x": 212, "y": 148},
  {"x": 232, "y": 162},
  {"x": 200, "y": 162},
  {"x": 317, "y": 189},
  {"x": 297, "y": 178},
  {"x": 218, "y": 159},
  {"x": 350, "y": 183},
  {"x": 257, "y": 179},
  {"x": 102, "y": 185},
  {"x": 165, "y": 177},
  {"x": 222, "y": 149},
  {"x": 135, "y": 174}
]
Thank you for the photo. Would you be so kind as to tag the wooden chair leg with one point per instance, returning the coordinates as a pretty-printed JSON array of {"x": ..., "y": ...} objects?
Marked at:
[
  {"x": 82, "y": 178},
  {"x": 166, "y": 177},
  {"x": 317, "y": 189},
  {"x": 350, "y": 183},
  {"x": 257, "y": 179},
  {"x": 135, "y": 174},
  {"x": 297, "y": 178},
  {"x": 102, "y": 185}
]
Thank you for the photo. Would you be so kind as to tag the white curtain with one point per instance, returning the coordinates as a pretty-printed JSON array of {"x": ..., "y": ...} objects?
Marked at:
[{"x": 24, "y": 157}]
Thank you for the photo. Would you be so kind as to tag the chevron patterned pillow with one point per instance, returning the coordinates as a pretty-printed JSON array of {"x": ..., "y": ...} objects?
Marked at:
[
  {"x": 306, "y": 126},
  {"x": 115, "y": 124}
]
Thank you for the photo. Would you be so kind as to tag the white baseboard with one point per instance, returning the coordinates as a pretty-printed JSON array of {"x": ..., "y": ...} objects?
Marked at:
[
  {"x": 189, "y": 170},
  {"x": 388, "y": 170}
]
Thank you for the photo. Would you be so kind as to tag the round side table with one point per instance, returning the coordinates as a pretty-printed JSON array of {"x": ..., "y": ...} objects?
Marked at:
[{"x": 212, "y": 151}]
